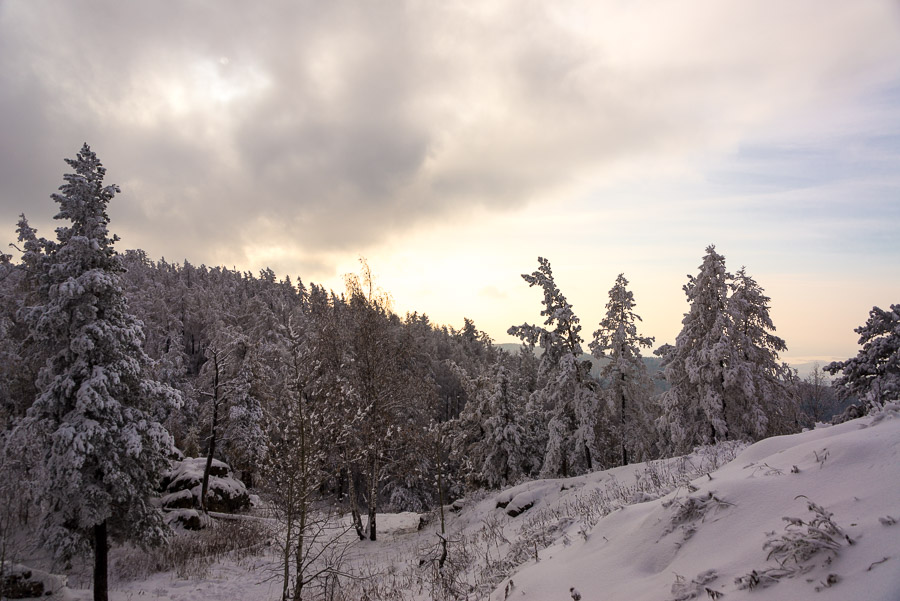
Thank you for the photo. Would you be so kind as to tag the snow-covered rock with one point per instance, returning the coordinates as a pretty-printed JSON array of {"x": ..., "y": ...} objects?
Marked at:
[
  {"x": 183, "y": 485},
  {"x": 187, "y": 519},
  {"x": 22, "y": 582}
]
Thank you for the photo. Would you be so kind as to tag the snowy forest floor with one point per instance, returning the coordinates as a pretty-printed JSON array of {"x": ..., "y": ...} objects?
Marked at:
[{"x": 709, "y": 525}]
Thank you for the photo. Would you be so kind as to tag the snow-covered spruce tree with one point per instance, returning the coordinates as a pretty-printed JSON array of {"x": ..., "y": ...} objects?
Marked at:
[
  {"x": 725, "y": 379},
  {"x": 244, "y": 439},
  {"x": 493, "y": 438},
  {"x": 21, "y": 285},
  {"x": 694, "y": 405},
  {"x": 507, "y": 435},
  {"x": 760, "y": 398},
  {"x": 628, "y": 384},
  {"x": 102, "y": 452},
  {"x": 565, "y": 391},
  {"x": 873, "y": 374}
]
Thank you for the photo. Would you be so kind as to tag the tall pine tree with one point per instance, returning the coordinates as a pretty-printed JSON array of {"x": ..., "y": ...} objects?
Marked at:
[
  {"x": 874, "y": 373},
  {"x": 102, "y": 451},
  {"x": 694, "y": 405},
  {"x": 760, "y": 400},
  {"x": 725, "y": 379},
  {"x": 566, "y": 391},
  {"x": 628, "y": 383}
]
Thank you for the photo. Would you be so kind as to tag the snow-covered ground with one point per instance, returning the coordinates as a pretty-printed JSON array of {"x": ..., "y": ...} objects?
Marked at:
[
  {"x": 698, "y": 527},
  {"x": 645, "y": 552}
]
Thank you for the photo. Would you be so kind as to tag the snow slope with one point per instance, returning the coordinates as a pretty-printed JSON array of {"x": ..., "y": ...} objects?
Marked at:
[
  {"x": 671, "y": 530},
  {"x": 635, "y": 553}
]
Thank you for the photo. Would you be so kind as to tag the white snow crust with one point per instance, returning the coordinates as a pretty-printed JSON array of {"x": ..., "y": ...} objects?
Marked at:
[{"x": 632, "y": 544}]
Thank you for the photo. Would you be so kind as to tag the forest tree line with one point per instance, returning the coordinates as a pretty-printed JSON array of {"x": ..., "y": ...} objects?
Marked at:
[{"x": 109, "y": 361}]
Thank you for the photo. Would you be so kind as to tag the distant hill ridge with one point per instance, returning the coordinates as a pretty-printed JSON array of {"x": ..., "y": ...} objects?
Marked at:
[{"x": 652, "y": 363}]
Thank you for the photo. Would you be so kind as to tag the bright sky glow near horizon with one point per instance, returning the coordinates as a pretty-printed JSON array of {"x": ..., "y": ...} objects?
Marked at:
[{"x": 452, "y": 143}]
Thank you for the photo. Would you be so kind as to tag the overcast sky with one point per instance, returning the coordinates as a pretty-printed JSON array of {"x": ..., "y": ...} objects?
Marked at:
[{"x": 452, "y": 143}]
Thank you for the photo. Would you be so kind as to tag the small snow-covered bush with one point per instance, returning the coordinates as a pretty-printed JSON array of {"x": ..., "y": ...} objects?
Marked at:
[
  {"x": 683, "y": 590},
  {"x": 888, "y": 410},
  {"x": 796, "y": 549},
  {"x": 22, "y": 582},
  {"x": 805, "y": 539},
  {"x": 187, "y": 519},
  {"x": 709, "y": 458},
  {"x": 692, "y": 509},
  {"x": 850, "y": 413}
]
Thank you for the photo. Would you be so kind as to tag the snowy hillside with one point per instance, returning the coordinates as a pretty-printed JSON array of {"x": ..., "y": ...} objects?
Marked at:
[
  {"x": 717, "y": 536},
  {"x": 687, "y": 542},
  {"x": 718, "y": 532}
]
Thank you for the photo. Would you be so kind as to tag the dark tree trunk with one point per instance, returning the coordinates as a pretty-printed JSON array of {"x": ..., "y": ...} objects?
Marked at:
[
  {"x": 373, "y": 496},
  {"x": 247, "y": 478},
  {"x": 354, "y": 504},
  {"x": 101, "y": 561},
  {"x": 622, "y": 421},
  {"x": 211, "y": 449}
]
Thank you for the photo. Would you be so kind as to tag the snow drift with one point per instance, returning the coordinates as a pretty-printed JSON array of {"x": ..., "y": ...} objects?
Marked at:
[{"x": 718, "y": 536}]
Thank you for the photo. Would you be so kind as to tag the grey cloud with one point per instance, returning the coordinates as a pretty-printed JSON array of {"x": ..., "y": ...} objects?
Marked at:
[{"x": 324, "y": 127}]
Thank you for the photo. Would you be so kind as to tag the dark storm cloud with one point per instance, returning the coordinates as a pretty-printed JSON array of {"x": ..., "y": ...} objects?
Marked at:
[
  {"x": 313, "y": 128},
  {"x": 218, "y": 116}
]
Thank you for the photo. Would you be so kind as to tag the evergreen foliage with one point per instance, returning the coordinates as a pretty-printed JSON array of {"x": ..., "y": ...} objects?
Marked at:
[
  {"x": 496, "y": 438},
  {"x": 874, "y": 374},
  {"x": 695, "y": 367},
  {"x": 761, "y": 402},
  {"x": 566, "y": 393},
  {"x": 629, "y": 388},
  {"x": 92, "y": 417},
  {"x": 725, "y": 379}
]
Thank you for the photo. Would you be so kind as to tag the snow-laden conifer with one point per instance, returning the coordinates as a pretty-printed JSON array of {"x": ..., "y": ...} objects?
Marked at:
[
  {"x": 694, "y": 405},
  {"x": 506, "y": 433},
  {"x": 102, "y": 451},
  {"x": 759, "y": 400},
  {"x": 566, "y": 391},
  {"x": 495, "y": 433},
  {"x": 874, "y": 373},
  {"x": 726, "y": 382},
  {"x": 628, "y": 385}
]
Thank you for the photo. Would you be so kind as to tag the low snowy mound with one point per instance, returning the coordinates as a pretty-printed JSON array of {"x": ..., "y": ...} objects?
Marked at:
[
  {"x": 519, "y": 499},
  {"x": 812, "y": 515},
  {"x": 22, "y": 582}
]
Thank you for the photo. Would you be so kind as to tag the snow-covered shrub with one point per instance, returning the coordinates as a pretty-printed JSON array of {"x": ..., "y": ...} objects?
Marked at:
[
  {"x": 693, "y": 509},
  {"x": 187, "y": 519},
  {"x": 796, "y": 549},
  {"x": 403, "y": 499},
  {"x": 850, "y": 413},
  {"x": 22, "y": 582},
  {"x": 888, "y": 410},
  {"x": 805, "y": 539},
  {"x": 682, "y": 590},
  {"x": 708, "y": 458}
]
